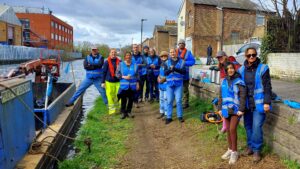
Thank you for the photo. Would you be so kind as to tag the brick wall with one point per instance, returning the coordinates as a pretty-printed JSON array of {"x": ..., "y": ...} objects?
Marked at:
[
  {"x": 17, "y": 33},
  {"x": 284, "y": 65},
  {"x": 259, "y": 31},
  {"x": 162, "y": 41},
  {"x": 240, "y": 21},
  {"x": 172, "y": 41},
  {"x": 206, "y": 27},
  {"x": 3, "y": 32}
]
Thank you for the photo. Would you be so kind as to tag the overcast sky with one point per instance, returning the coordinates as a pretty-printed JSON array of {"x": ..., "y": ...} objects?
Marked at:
[{"x": 113, "y": 22}]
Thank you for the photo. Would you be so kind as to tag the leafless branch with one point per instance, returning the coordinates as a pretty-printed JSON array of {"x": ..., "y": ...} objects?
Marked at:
[
  {"x": 275, "y": 3},
  {"x": 295, "y": 6}
]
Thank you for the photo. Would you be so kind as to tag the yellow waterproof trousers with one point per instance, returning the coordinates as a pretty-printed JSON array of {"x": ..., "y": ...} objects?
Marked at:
[{"x": 112, "y": 89}]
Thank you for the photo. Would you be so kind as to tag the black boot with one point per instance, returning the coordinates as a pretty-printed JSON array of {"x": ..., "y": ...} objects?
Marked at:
[{"x": 168, "y": 121}]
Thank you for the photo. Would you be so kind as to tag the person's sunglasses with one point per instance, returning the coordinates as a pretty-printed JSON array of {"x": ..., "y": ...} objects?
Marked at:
[{"x": 251, "y": 55}]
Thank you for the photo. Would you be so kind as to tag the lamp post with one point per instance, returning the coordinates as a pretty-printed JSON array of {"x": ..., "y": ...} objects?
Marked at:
[{"x": 142, "y": 20}]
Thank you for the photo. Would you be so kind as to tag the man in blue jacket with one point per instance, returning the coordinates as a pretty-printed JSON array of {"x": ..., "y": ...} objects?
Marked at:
[
  {"x": 188, "y": 58},
  {"x": 146, "y": 55},
  {"x": 141, "y": 62},
  {"x": 93, "y": 65}
]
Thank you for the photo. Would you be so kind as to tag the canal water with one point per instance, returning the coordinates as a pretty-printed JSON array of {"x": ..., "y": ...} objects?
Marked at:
[{"x": 88, "y": 98}]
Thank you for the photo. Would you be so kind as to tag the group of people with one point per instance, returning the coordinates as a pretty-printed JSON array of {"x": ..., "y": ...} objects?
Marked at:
[
  {"x": 166, "y": 78},
  {"x": 245, "y": 89}
]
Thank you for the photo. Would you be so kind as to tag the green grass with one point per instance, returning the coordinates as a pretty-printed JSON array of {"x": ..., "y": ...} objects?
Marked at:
[
  {"x": 291, "y": 164},
  {"x": 108, "y": 134}
]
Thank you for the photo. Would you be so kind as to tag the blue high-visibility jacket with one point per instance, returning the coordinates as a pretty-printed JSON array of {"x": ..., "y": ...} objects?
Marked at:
[
  {"x": 125, "y": 71},
  {"x": 140, "y": 59},
  {"x": 258, "y": 89},
  {"x": 155, "y": 61},
  {"x": 162, "y": 86},
  {"x": 95, "y": 73},
  {"x": 175, "y": 78},
  {"x": 230, "y": 96}
]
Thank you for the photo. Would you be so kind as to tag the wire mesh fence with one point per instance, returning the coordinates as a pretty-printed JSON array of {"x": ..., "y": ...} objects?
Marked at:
[{"x": 9, "y": 53}]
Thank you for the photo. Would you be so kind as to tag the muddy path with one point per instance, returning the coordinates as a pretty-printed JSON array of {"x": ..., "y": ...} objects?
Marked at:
[{"x": 154, "y": 145}]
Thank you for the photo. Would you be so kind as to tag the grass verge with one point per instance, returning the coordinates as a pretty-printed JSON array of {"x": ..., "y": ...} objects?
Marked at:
[{"x": 108, "y": 134}]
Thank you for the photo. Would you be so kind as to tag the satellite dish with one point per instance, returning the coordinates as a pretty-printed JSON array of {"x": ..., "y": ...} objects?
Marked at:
[{"x": 182, "y": 23}]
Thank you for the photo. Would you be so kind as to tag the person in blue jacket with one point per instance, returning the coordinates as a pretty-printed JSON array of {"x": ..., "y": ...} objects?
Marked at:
[
  {"x": 175, "y": 72},
  {"x": 129, "y": 77},
  {"x": 153, "y": 65},
  {"x": 163, "y": 105},
  {"x": 146, "y": 55},
  {"x": 259, "y": 90},
  {"x": 188, "y": 58},
  {"x": 93, "y": 65},
  {"x": 231, "y": 105},
  {"x": 141, "y": 62}
]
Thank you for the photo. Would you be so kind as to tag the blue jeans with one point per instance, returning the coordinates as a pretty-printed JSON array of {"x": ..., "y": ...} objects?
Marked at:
[
  {"x": 163, "y": 102},
  {"x": 153, "y": 84},
  {"x": 147, "y": 88},
  {"x": 86, "y": 83},
  {"x": 254, "y": 122},
  {"x": 174, "y": 92}
]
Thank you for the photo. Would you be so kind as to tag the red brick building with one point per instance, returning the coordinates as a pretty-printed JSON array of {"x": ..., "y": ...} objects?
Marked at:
[{"x": 42, "y": 29}]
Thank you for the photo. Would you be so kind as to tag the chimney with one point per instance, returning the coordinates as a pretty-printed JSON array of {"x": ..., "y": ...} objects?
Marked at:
[{"x": 170, "y": 23}]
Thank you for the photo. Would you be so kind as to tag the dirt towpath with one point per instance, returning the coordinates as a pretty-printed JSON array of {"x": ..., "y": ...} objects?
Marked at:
[{"x": 153, "y": 145}]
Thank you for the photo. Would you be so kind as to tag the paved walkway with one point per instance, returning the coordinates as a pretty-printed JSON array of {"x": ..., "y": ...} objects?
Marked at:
[{"x": 286, "y": 90}]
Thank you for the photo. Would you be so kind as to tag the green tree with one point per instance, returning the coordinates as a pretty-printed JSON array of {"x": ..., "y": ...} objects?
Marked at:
[{"x": 103, "y": 49}]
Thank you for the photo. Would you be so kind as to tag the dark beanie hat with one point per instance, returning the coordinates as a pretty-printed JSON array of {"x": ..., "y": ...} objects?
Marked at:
[{"x": 146, "y": 47}]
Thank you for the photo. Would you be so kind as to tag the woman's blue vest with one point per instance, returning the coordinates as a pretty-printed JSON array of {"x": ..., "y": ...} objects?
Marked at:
[
  {"x": 153, "y": 60},
  {"x": 162, "y": 86},
  {"x": 125, "y": 71},
  {"x": 258, "y": 89}
]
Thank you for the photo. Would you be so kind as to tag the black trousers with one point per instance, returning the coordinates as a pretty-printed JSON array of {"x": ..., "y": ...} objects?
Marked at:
[{"x": 127, "y": 101}]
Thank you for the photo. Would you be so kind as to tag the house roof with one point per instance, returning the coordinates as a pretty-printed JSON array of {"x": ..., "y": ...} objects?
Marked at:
[
  {"x": 234, "y": 4},
  {"x": 172, "y": 30},
  {"x": 22, "y": 9},
  {"x": 8, "y": 15}
]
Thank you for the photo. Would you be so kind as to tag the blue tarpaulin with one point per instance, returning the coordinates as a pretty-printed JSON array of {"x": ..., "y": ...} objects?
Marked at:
[{"x": 292, "y": 104}]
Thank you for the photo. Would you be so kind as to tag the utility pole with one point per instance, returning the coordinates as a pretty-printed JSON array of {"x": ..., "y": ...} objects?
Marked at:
[{"x": 142, "y": 20}]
